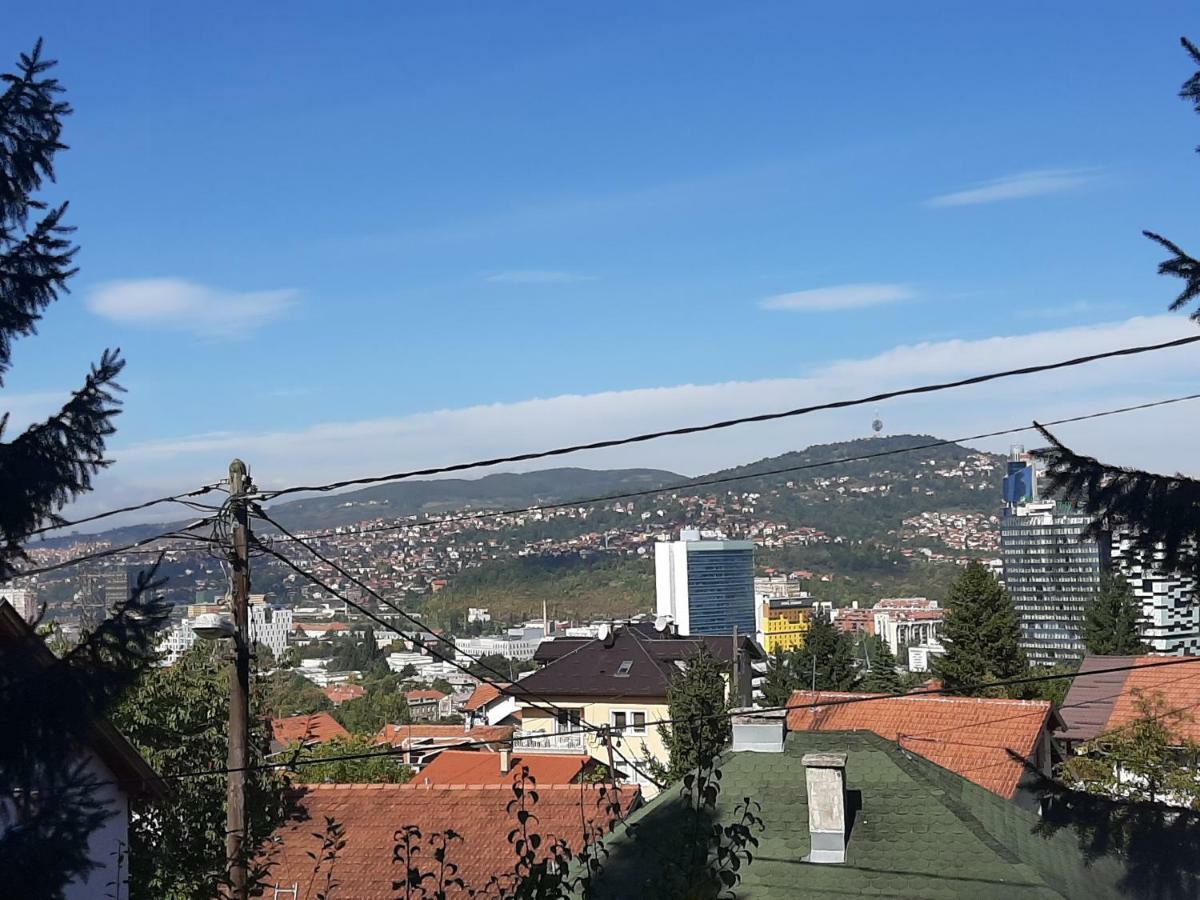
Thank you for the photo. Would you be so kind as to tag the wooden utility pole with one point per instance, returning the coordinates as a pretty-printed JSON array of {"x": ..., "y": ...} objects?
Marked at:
[{"x": 236, "y": 820}]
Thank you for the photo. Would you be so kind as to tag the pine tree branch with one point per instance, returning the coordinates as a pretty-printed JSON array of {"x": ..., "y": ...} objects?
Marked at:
[
  {"x": 33, "y": 270},
  {"x": 1180, "y": 265},
  {"x": 1158, "y": 509},
  {"x": 53, "y": 462},
  {"x": 1191, "y": 87}
]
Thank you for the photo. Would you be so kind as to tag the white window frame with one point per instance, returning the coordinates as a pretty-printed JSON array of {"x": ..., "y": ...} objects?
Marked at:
[{"x": 628, "y": 728}]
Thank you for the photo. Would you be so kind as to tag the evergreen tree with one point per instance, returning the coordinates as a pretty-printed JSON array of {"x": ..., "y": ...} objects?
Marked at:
[
  {"x": 1162, "y": 511},
  {"x": 981, "y": 633},
  {"x": 826, "y": 661},
  {"x": 48, "y": 799},
  {"x": 781, "y": 680},
  {"x": 1111, "y": 625},
  {"x": 881, "y": 677},
  {"x": 696, "y": 704}
]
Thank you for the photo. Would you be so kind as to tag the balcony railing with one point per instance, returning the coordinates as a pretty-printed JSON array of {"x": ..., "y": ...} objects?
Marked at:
[{"x": 548, "y": 742}]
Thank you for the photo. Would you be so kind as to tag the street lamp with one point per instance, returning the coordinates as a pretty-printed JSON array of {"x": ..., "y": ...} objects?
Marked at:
[{"x": 215, "y": 627}]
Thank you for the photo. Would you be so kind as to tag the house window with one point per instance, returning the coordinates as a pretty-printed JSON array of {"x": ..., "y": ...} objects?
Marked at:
[
  {"x": 628, "y": 721},
  {"x": 568, "y": 719},
  {"x": 623, "y": 669}
]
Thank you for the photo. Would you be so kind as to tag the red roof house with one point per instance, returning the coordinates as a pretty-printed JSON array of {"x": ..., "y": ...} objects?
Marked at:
[
  {"x": 371, "y": 815},
  {"x": 1100, "y": 700},
  {"x": 340, "y": 693},
  {"x": 315, "y": 729},
  {"x": 998, "y": 744}
]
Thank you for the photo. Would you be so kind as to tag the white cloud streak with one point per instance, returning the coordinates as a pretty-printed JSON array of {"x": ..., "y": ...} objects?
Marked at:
[
  {"x": 176, "y": 305},
  {"x": 1017, "y": 187},
  {"x": 332, "y": 450},
  {"x": 537, "y": 276},
  {"x": 839, "y": 297}
]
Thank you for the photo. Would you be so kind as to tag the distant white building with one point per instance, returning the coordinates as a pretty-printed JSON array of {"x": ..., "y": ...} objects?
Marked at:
[
  {"x": 705, "y": 586},
  {"x": 920, "y": 657},
  {"x": 478, "y": 614},
  {"x": 23, "y": 599},
  {"x": 510, "y": 647},
  {"x": 269, "y": 626},
  {"x": 908, "y": 620}
]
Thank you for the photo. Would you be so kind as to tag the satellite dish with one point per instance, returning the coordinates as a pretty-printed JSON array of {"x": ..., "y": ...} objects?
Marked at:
[
  {"x": 661, "y": 623},
  {"x": 603, "y": 632}
]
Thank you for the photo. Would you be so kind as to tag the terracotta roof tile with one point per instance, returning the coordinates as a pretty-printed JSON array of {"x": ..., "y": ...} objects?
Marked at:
[
  {"x": 419, "y": 695},
  {"x": 372, "y": 813},
  {"x": 319, "y": 727},
  {"x": 1178, "y": 686},
  {"x": 483, "y": 694},
  {"x": 982, "y": 739},
  {"x": 472, "y": 767},
  {"x": 340, "y": 693}
]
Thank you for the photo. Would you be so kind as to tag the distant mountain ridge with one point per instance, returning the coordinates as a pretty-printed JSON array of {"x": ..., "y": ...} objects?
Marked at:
[{"x": 853, "y": 513}]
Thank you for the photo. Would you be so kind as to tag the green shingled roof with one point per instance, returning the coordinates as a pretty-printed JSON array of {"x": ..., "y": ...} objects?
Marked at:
[{"x": 921, "y": 832}]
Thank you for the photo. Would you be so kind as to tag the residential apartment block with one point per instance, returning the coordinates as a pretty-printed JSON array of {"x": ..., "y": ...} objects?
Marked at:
[{"x": 1170, "y": 615}]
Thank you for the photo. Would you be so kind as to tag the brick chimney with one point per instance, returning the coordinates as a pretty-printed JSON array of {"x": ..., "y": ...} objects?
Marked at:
[
  {"x": 825, "y": 777},
  {"x": 505, "y": 760}
]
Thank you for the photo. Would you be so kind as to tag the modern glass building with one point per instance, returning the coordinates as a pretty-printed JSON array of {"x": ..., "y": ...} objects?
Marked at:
[
  {"x": 1052, "y": 574},
  {"x": 706, "y": 587}
]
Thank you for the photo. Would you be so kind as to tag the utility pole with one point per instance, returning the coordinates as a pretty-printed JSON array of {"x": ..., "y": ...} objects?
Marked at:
[{"x": 236, "y": 819}]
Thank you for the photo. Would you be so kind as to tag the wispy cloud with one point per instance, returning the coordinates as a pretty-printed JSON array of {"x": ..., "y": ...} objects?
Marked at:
[
  {"x": 1034, "y": 183},
  {"x": 178, "y": 305},
  {"x": 1062, "y": 311},
  {"x": 537, "y": 276},
  {"x": 839, "y": 297}
]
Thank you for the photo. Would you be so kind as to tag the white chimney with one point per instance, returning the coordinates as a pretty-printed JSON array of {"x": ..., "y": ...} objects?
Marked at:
[
  {"x": 825, "y": 776},
  {"x": 505, "y": 760}
]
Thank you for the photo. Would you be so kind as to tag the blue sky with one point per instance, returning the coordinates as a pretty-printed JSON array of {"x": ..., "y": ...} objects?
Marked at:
[{"x": 307, "y": 220}]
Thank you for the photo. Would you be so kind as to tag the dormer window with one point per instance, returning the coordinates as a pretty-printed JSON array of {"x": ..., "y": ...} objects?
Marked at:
[{"x": 623, "y": 669}]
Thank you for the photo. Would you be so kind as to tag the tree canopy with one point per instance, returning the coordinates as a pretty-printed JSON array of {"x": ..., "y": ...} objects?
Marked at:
[
  {"x": 981, "y": 635},
  {"x": 1111, "y": 624}
]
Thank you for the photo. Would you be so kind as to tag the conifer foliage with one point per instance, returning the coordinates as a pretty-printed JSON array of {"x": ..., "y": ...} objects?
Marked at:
[
  {"x": 50, "y": 800},
  {"x": 1163, "y": 511},
  {"x": 1111, "y": 625},
  {"x": 981, "y": 634},
  {"x": 53, "y": 461}
]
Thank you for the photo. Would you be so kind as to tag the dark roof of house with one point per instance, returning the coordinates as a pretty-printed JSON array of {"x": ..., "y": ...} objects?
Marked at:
[
  {"x": 21, "y": 646},
  {"x": 917, "y": 831},
  {"x": 591, "y": 667},
  {"x": 1089, "y": 701}
]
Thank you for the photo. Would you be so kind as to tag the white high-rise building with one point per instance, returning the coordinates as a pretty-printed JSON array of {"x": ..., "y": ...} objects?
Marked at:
[
  {"x": 269, "y": 626},
  {"x": 705, "y": 586},
  {"x": 23, "y": 600},
  {"x": 1170, "y": 618}
]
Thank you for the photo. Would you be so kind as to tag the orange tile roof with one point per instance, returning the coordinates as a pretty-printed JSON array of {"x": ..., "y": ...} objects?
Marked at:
[
  {"x": 340, "y": 693},
  {"x": 319, "y": 727},
  {"x": 483, "y": 694},
  {"x": 976, "y": 737},
  {"x": 472, "y": 767},
  {"x": 1178, "y": 687},
  {"x": 398, "y": 734},
  {"x": 372, "y": 813}
]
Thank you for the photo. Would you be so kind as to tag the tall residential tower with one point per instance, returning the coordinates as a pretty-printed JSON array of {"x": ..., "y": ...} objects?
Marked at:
[{"x": 706, "y": 586}]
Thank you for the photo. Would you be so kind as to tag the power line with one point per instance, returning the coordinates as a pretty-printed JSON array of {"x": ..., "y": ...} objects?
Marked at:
[
  {"x": 839, "y": 701},
  {"x": 175, "y": 498},
  {"x": 742, "y": 420},
  {"x": 113, "y": 551},
  {"x": 507, "y": 689},
  {"x": 725, "y": 479}
]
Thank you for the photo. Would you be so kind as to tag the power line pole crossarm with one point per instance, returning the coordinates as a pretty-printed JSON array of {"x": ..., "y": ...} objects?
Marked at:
[{"x": 236, "y": 822}]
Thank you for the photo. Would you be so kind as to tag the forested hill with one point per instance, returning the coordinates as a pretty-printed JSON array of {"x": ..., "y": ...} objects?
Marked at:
[
  {"x": 884, "y": 481},
  {"x": 500, "y": 491}
]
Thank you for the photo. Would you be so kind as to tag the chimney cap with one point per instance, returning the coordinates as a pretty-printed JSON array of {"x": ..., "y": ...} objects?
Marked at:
[{"x": 824, "y": 760}]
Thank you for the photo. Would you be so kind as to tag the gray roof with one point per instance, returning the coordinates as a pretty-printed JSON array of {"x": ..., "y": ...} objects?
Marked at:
[{"x": 1090, "y": 699}]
